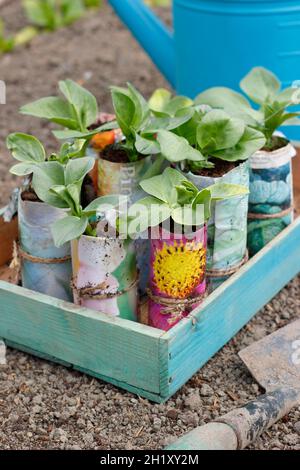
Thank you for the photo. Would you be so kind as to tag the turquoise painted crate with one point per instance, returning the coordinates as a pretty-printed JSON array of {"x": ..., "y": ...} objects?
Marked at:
[{"x": 146, "y": 361}]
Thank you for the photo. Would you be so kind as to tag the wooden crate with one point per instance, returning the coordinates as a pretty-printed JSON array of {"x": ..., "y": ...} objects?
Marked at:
[{"x": 146, "y": 361}]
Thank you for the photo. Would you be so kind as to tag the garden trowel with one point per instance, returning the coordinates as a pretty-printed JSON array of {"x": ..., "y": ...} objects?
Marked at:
[{"x": 274, "y": 362}]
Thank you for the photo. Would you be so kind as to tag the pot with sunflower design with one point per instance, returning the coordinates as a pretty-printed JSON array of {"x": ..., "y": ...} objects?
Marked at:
[
  {"x": 177, "y": 274},
  {"x": 176, "y": 213}
]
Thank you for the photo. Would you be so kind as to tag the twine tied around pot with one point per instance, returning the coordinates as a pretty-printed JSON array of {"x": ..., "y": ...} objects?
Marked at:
[
  {"x": 277, "y": 215},
  {"x": 228, "y": 271},
  {"x": 19, "y": 254},
  {"x": 37, "y": 259},
  {"x": 91, "y": 293},
  {"x": 175, "y": 307}
]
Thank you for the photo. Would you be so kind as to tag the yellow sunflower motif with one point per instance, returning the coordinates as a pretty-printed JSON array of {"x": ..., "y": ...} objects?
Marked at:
[{"x": 179, "y": 268}]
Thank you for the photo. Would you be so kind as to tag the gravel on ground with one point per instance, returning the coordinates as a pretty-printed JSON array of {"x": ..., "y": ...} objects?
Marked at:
[{"x": 46, "y": 406}]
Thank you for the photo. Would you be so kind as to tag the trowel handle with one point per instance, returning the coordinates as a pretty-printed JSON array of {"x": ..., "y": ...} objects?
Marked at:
[
  {"x": 239, "y": 428},
  {"x": 253, "y": 419}
]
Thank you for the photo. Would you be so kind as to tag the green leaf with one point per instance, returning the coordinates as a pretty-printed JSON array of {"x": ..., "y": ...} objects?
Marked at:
[
  {"x": 232, "y": 102},
  {"x": 83, "y": 102},
  {"x": 25, "y": 148},
  {"x": 162, "y": 103},
  {"x": 203, "y": 198},
  {"x": 67, "y": 229},
  {"x": 42, "y": 13},
  {"x": 220, "y": 191},
  {"x": 146, "y": 146},
  {"x": 168, "y": 123},
  {"x": 147, "y": 212},
  {"x": 142, "y": 111},
  {"x": 45, "y": 176},
  {"x": 188, "y": 215},
  {"x": 22, "y": 169},
  {"x": 54, "y": 109},
  {"x": 124, "y": 109},
  {"x": 163, "y": 187},
  {"x": 77, "y": 169},
  {"x": 251, "y": 141},
  {"x": 71, "y": 135},
  {"x": 71, "y": 10},
  {"x": 177, "y": 149},
  {"x": 113, "y": 200},
  {"x": 260, "y": 85},
  {"x": 69, "y": 200},
  {"x": 177, "y": 104},
  {"x": 159, "y": 99},
  {"x": 218, "y": 131},
  {"x": 186, "y": 192}
]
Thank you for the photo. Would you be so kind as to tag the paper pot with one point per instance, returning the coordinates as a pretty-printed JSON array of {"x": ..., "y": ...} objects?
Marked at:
[
  {"x": 227, "y": 227},
  {"x": 121, "y": 178},
  {"x": 105, "y": 275},
  {"x": 124, "y": 178},
  {"x": 271, "y": 193},
  {"x": 177, "y": 273},
  {"x": 51, "y": 278}
]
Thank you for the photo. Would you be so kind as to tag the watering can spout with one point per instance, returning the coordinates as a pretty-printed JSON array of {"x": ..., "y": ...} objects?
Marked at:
[{"x": 151, "y": 33}]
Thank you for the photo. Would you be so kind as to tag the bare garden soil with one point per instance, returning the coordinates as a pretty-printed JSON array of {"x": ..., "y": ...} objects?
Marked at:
[{"x": 46, "y": 406}]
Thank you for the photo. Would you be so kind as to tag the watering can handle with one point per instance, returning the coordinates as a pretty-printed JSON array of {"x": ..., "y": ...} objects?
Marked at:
[{"x": 151, "y": 33}]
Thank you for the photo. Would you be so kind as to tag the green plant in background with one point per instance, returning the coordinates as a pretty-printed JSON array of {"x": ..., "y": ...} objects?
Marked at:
[
  {"x": 172, "y": 196},
  {"x": 53, "y": 14},
  {"x": 25, "y": 35},
  {"x": 76, "y": 111},
  {"x": 92, "y": 3},
  {"x": 6, "y": 43},
  {"x": 264, "y": 89},
  {"x": 158, "y": 3}
]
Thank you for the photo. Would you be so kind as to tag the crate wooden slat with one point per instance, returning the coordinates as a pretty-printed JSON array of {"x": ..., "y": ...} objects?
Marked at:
[{"x": 145, "y": 361}]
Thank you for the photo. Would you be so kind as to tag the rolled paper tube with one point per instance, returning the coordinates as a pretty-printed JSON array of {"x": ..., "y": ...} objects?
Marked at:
[
  {"x": 216, "y": 277},
  {"x": 177, "y": 276},
  {"x": 124, "y": 179},
  {"x": 35, "y": 238},
  {"x": 227, "y": 227},
  {"x": 105, "y": 275},
  {"x": 271, "y": 196},
  {"x": 121, "y": 178}
]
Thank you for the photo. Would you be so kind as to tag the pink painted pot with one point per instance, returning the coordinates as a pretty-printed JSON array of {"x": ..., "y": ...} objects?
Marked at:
[{"x": 177, "y": 271}]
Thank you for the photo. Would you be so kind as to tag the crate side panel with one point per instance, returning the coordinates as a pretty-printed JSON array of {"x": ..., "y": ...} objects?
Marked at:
[
  {"x": 114, "y": 348},
  {"x": 197, "y": 338},
  {"x": 151, "y": 396}
]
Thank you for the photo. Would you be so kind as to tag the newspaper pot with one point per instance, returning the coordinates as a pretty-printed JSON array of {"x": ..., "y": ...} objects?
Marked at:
[
  {"x": 177, "y": 276},
  {"x": 124, "y": 178},
  {"x": 271, "y": 196},
  {"x": 44, "y": 267},
  {"x": 121, "y": 178},
  {"x": 105, "y": 275},
  {"x": 227, "y": 227}
]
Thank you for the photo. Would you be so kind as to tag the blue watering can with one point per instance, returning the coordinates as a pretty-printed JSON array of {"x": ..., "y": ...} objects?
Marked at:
[{"x": 216, "y": 42}]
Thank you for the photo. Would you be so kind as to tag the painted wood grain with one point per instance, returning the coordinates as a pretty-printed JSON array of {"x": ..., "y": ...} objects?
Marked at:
[
  {"x": 119, "y": 350},
  {"x": 196, "y": 339}
]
